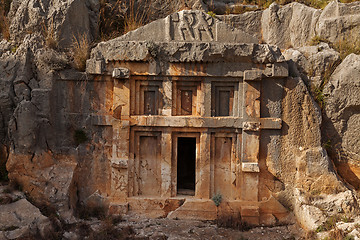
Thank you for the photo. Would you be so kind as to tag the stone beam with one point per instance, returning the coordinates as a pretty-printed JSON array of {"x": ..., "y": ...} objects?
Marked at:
[{"x": 202, "y": 122}]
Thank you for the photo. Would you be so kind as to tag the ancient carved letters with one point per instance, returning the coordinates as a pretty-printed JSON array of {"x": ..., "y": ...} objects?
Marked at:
[{"x": 194, "y": 26}]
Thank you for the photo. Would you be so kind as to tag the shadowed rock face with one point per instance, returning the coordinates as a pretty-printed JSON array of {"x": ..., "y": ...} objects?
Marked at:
[
  {"x": 45, "y": 105},
  {"x": 342, "y": 118}
]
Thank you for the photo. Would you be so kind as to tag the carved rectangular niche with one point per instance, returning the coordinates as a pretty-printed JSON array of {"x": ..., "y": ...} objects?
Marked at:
[
  {"x": 185, "y": 98},
  {"x": 147, "y": 164},
  {"x": 223, "y": 95},
  {"x": 146, "y": 98},
  {"x": 176, "y": 157},
  {"x": 224, "y": 179}
]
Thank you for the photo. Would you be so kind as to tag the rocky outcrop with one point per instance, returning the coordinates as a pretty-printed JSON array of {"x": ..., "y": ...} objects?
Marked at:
[
  {"x": 21, "y": 219},
  {"x": 313, "y": 63},
  {"x": 43, "y": 102},
  {"x": 59, "y": 20},
  {"x": 295, "y": 24},
  {"x": 342, "y": 118}
]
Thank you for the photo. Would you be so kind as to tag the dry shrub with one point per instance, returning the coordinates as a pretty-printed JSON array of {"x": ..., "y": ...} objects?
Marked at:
[
  {"x": 81, "y": 51},
  {"x": 346, "y": 47},
  {"x": 49, "y": 34},
  {"x": 122, "y": 16},
  {"x": 232, "y": 220},
  {"x": 4, "y": 21},
  {"x": 135, "y": 17}
]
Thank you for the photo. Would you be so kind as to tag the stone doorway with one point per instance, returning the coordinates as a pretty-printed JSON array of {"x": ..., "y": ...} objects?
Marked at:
[{"x": 186, "y": 158}]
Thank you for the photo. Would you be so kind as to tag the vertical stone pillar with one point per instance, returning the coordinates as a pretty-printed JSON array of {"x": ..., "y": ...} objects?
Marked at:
[
  {"x": 202, "y": 188},
  {"x": 251, "y": 141},
  {"x": 121, "y": 144},
  {"x": 251, "y": 144},
  {"x": 206, "y": 112},
  {"x": 166, "y": 152}
]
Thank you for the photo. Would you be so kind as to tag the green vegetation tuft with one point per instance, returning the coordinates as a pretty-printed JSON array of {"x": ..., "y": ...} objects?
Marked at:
[
  {"x": 211, "y": 14},
  {"x": 217, "y": 198}
]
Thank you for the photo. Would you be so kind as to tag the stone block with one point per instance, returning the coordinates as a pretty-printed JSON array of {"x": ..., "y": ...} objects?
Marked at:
[
  {"x": 121, "y": 73},
  {"x": 250, "y": 167},
  {"x": 250, "y": 215},
  {"x": 280, "y": 69},
  {"x": 253, "y": 75},
  {"x": 118, "y": 208},
  {"x": 94, "y": 66}
]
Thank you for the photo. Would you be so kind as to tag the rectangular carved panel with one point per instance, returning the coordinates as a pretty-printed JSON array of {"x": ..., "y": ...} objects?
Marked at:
[
  {"x": 149, "y": 103},
  {"x": 186, "y": 102},
  {"x": 222, "y": 99},
  {"x": 224, "y": 103},
  {"x": 224, "y": 165},
  {"x": 148, "y": 177},
  {"x": 146, "y": 97}
]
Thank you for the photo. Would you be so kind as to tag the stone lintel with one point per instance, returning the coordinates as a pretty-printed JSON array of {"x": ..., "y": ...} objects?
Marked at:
[
  {"x": 250, "y": 167},
  {"x": 253, "y": 75},
  {"x": 201, "y": 122},
  {"x": 94, "y": 66},
  {"x": 121, "y": 73}
]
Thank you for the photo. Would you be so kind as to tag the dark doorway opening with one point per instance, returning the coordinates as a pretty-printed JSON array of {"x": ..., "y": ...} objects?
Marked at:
[{"x": 186, "y": 157}]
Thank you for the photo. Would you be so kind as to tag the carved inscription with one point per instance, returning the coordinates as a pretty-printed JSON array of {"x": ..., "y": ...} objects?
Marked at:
[{"x": 191, "y": 26}]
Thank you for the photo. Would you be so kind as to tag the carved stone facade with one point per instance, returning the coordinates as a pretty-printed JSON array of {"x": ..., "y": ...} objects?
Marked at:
[{"x": 187, "y": 119}]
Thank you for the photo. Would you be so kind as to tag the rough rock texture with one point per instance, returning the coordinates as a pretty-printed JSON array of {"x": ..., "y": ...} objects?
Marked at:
[
  {"x": 21, "y": 219},
  {"x": 342, "y": 118},
  {"x": 313, "y": 62},
  {"x": 295, "y": 24},
  {"x": 44, "y": 103},
  {"x": 62, "y": 20}
]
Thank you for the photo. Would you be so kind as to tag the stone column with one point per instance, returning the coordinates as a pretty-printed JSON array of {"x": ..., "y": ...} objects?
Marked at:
[
  {"x": 202, "y": 188},
  {"x": 166, "y": 152}
]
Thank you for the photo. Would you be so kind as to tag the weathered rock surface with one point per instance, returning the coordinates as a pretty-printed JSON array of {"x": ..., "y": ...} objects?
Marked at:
[
  {"x": 42, "y": 105},
  {"x": 313, "y": 62},
  {"x": 22, "y": 219},
  {"x": 342, "y": 118},
  {"x": 61, "y": 20},
  {"x": 295, "y": 24}
]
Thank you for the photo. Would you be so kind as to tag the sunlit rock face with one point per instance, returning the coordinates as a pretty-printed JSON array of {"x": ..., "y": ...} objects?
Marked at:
[{"x": 186, "y": 117}]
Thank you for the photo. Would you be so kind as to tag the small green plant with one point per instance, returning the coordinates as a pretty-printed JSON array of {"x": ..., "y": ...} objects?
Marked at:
[
  {"x": 211, "y": 14},
  {"x": 80, "y": 137},
  {"x": 330, "y": 223},
  {"x": 349, "y": 237},
  {"x": 327, "y": 145},
  {"x": 316, "y": 40},
  {"x": 81, "y": 51},
  {"x": 217, "y": 198},
  {"x": 319, "y": 96}
]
